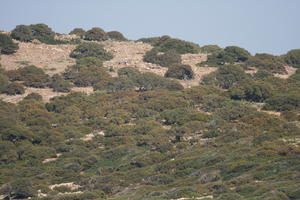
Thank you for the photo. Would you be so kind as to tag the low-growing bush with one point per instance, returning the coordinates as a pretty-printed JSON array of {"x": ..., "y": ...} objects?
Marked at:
[
  {"x": 91, "y": 50},
  {"x": 180, "y": 46},
  {"x": 283, "y": 102},
  {"x": 59, "y": 84},
  {"x": 7, "y": 46},
  {"x": 251, "y": 91},
  {"x": 226, "y": 76},
  {"x": 33, "y": 76},
  {"x": 14, "y": 88},
  {"x": 4, "y": 82},
  {"x": 33, "y": 96},
  {"x": 268, "y": 62},
  {"x": 164, "y": 59},
  {"x": 183, "y": 72},
  {"x": 82, "y": 75}
]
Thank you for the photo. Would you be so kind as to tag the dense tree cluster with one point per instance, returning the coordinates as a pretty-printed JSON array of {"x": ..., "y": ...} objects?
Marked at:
[
  {"x": 28, "y": 33},
  {"x": 228, "y": 55}
]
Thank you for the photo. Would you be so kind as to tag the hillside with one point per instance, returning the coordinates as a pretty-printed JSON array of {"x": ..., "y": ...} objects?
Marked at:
[{"x": 97, "y": 116}]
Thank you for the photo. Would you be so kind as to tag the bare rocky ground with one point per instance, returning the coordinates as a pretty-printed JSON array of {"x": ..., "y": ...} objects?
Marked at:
[
  {"x": 52, "y": 58},
  {"x": 130, "y": 54}
]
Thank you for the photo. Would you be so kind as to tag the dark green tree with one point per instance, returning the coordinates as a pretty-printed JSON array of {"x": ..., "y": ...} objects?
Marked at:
[
  {"x": 96, "y": 34},
  {"x": 293, "y": 58},
  {"x": 78, "y": 31},
  {"x": 116, "y": 35},
  {"x": 42, "y": 32},
  {"x": 7, "y": 46},
  {"x": 22, "y": 33}
]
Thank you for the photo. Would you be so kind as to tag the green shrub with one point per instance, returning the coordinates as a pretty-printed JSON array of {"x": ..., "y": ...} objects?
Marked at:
[
  {"x": 42, "y": 32},
  {"x": 164, "y": 59},
  {"x": 120, "y": 83},
  {"x": 293, "y": 58},
  {"x": 34, "y": 96},
  {"x": 7, "y": 46},
  {"x": 96, "y": 34},
  {"x": 91, "y": 50},
  {"x": 129, "y": 72},
  {"x": 19, "y": 188},
  {"x": 234, "y": 111},
  {"x": 180, "y": 46},
  {"x": 229, "y": 55},
  {"x": 160, "y": 179},
  {"x": 150, "y": 81},
  {"x": 33, "y": 76},
  {"x": 282, "y": 102},
  {"x": 166, "y": 43},
  {"x": 262, "y": 74},
  {"x": 14, "y": 88},
  {"x": 90, "y": 61},
  {"x": 268, "y": 62},
  {"x": 82, "y": 75},
  {"x": 154, "y": 41},
  {"x": 251, "y": 91},
  {"x": 210, "y": 49},
  {"x": 22, "y": 33},
  {"x": 116, "y": 35},
  {"x": 78, "y": 31},
  {"x": 226, "y": 76},
  {"x": 183, "y": 72},
  {"x": 3, "y": 82},
  {"x": 58, "y": 84}
]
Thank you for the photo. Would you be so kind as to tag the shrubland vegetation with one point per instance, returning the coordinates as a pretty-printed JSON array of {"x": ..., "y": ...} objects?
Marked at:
[
  {"x": 28, "y": 33},
  {"x": 91, "y": 50},
  {"x": 228, "y": 55},
  {"x": 151, "y": 138},
  {"x": 7, "y": 46}
]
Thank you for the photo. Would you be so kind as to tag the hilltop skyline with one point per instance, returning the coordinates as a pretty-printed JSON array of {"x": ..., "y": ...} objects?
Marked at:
[{"x": 260, "y": 27}]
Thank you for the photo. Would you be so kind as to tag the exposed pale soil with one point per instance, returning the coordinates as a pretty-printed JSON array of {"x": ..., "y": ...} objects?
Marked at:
[{"x": 52, "y": 58}]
